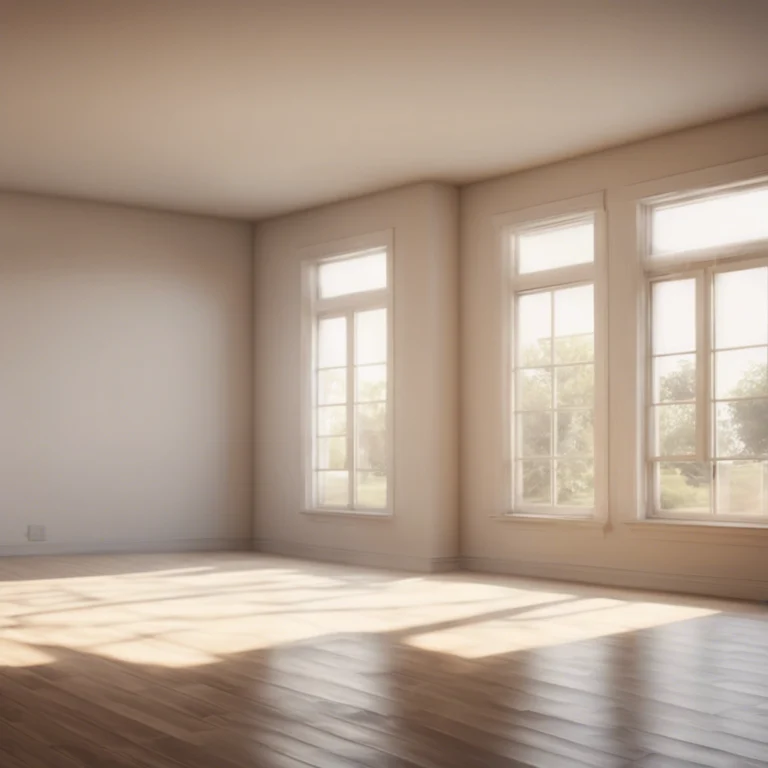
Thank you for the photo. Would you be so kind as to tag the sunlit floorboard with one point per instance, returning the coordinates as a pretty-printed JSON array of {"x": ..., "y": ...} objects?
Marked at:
[{"x": 232, "y": 660}]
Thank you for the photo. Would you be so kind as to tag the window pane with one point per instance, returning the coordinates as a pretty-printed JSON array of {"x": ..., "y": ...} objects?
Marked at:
[
  {"x": 735, "y": 217},
  {"x": 332, "y": 453},
  {"x": 371, "y": 442},
  {"x": 332, "y": 386},
  {"x": 742, "y": 428},
  {"x": 575, "y": 386},
  {"x": 575, "y": 433},
  {"x": 683, "y": 486},
  {"x": 535, "y": 389},
  {"x": 371, "y": 489},
  {"x": 741, "y": 308},
  {"x": 333, "y": 489},
  {"x": 674, "y": 378},
  {"x": 557, "y": 246},
  {"x": 675, "y": 430},
  {"x": 371, "y": 336},
  {"x": 574, "y": 324},
  {"x": 534, "y": 329},
  {"x": 742, "y": 488},
  {"x": 741, "y": 373},
  {"x": 674, "y": 316},
  {"x": 331, "y": 420},
  {"x": 371, "y": 382},
  {"x": 535, "y": 433},
  {"x": 535, "y": 480},
  {"x": 575, "y": 481},
  {"x": 361, "y": 273},
  {"x": 332, "y": 342}
]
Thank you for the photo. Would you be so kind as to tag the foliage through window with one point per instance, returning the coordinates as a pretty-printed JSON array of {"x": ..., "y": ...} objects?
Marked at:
[
  {"x": 351, "y": 443},
  {"x": 708, "y": 381},
  {"x": 553, "y": 365}
]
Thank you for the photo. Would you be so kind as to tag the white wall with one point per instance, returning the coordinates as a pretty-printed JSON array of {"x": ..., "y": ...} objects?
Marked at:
[
  {"x": 125, "y": 378},
  {"x": 674, "y": 557},
  {"x": 422, "y": 534}
]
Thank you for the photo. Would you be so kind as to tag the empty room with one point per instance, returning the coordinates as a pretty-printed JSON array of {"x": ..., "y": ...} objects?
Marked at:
[{"x": 383, "y": 384}]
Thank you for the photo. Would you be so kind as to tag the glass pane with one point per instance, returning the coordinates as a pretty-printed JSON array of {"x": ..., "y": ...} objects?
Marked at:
[
  {"x": 332, "y": 386},
  {"x": 741, "y": 308},
  {"x": 371, "y": 336},
  {"x": 361, "y": 273},
  {"x": 675, "y": 430},
  {"x": 742, "y": 428},
  {"x": 371, "y": 382},
  {"x": 735, "y": 217},
  {"x": 535, "y": 389},
  {"x": 674, "y": 316},
  {"x": 575, "y": 481},
  {"x": 575, "y": 433},
  {"x": 332, "y": 342},
  {"x": 534, "y": 328},
  {"x": 372, "y": 436},
  {"x": 371, "y": 489},
  {"x": 742, "y": 488},
  {"x": 683, "y": 486},
  {"x": 535, "y": 433},
  {"x": 333, "y": 489},
  {"x": 574, "y": 324},
  {"x": 331, "y": 452},
  {"x": 741, "y": 373},
  {"x": 575, "y": 385},
  {"x": 331, "y": 420},
  {"x": 535, "y": 481},
  {"x": 557, "y": 246},
  {"x": 674, "y": 378}
]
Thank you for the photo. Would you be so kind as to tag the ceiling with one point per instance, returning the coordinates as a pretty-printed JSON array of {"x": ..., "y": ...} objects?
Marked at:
[{"x": 250, "y": 109}]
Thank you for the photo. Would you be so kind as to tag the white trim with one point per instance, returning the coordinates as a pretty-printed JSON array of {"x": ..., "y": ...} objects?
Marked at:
[
  {"x": 345, "y": 306},
  {"x": 700, "y": 265},
  {"x": 709, "y": 586},
  {"x": 127, "y": 546},
  {"x": 391, "y": 561},
  {"x": 595, "y": 273}
]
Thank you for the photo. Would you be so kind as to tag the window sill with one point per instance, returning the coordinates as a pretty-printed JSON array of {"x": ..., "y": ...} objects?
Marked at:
[
  {"x": 368, "y": 514},
  {"x": 595, "y": 524},
  {"x": 701, "y": 531}
]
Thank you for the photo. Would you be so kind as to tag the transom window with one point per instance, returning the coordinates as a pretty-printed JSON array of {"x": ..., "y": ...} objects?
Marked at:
[
  {"x": 350, "y": 435},
  {"x": 553, "y": 367},
  {"x": 708, "y": 362}
]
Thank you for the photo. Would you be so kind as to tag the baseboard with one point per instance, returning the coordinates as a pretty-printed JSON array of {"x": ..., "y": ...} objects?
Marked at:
[
  {"x": 125, "y": 546},
  {"x": 710, "y": 586},
  {"x": 354, "y": 557}
]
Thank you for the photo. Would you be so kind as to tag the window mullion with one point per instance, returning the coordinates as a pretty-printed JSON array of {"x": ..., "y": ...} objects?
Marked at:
[
  {"x": 351, "y": 426},
  {"x": 703, "y": 429},
  {"x": 553, "y": 414}
]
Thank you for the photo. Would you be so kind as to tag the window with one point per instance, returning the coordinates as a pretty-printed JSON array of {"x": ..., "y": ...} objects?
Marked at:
[
  {"x": 350, "y": 361},
  {"x": 553, "y": 359},
  {"x": 708, "y": 360}
]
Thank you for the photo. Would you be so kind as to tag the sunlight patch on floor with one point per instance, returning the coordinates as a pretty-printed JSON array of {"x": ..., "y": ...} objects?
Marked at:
[{"x": 192, "y": 616}]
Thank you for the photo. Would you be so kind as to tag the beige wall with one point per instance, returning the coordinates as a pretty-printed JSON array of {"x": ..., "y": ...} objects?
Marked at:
[
  {"x": 675, "y": 557},
  {"x": 125, "y": 378},
  {"x": 422, "y": 534}
]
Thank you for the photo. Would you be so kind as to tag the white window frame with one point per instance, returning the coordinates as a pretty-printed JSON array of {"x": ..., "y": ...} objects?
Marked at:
[
  {"x": 513, "y": 284},
  {"x": 702, "y": 265},
  {"x": 314, "y": 309}
]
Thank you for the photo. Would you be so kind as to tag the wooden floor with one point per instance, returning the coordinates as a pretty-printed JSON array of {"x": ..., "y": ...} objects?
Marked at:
[{"x": 225, "y": 661}]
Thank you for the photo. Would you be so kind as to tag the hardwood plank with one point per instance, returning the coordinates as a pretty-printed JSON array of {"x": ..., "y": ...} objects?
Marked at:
[{"x": 234, "y": 660}]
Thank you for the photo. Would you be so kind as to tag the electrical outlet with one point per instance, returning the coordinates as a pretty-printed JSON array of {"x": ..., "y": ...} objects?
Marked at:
[{"x": 36, "y": 533}]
